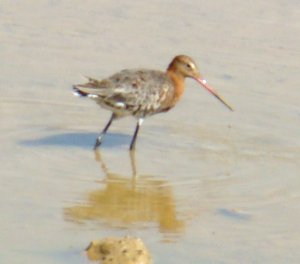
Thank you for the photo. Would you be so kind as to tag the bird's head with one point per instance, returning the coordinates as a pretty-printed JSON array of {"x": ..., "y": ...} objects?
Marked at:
[{"x": 185, "y": 67}]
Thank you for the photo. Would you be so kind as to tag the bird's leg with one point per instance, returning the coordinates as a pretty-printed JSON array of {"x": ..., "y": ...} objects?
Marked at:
[
  {"x": 138, "y": 124},
  {"x": 102, "y": 134}
]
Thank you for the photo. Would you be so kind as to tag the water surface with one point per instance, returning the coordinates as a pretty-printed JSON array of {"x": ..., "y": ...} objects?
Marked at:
[{"x": 205, "y": 185}]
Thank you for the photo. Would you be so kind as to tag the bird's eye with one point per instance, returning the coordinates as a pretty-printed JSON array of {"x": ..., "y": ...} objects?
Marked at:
[{"x": 190, "y": 66}]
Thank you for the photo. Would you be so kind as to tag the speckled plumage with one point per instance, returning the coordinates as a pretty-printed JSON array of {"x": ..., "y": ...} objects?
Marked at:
[{"x": 139, "y": 93}]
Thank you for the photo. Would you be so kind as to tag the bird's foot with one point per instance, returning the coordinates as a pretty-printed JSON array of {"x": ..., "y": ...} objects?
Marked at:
[{"x": 98, "y": 142}]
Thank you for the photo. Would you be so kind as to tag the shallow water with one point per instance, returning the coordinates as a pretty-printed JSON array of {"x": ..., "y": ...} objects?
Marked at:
[{"x": 205, "y": 185}]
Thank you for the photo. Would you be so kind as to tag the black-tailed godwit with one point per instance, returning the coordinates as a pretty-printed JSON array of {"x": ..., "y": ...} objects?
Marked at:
[{"x": 142, "y": 92}]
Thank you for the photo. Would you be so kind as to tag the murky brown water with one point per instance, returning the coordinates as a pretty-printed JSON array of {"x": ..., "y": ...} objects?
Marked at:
[{"x": 205, "y": 185}]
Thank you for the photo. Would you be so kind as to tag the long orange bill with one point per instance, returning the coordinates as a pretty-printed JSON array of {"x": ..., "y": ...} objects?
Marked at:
[{"x": 213, "y": 92}]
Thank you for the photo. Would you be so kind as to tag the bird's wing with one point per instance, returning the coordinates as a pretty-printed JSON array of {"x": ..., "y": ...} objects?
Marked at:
[{"x": 126, "y": 86}]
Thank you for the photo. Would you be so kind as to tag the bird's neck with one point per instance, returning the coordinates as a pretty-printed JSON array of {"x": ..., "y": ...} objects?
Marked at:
[{"x": 178, "y": 83}]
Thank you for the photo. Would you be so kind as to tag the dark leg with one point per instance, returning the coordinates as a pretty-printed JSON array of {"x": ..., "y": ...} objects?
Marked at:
[
  {"x": 138, "y": 124},
  {"x": 102, "y": 134}
]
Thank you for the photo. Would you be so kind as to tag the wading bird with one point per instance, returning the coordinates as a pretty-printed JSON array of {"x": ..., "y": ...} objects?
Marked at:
[{"x": 142, "y": 92}]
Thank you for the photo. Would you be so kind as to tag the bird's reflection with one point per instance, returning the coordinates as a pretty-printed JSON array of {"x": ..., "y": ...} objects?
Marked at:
[{"x": 122, "y": 201}]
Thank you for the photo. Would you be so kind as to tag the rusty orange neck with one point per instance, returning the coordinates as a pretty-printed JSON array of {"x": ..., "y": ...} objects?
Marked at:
[{"x": 178, "y": 83}]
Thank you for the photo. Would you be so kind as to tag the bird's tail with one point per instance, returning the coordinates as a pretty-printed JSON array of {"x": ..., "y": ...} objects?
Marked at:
[
  {"x": 84, "y": 90},
  {"x": 78, "y": 92}
]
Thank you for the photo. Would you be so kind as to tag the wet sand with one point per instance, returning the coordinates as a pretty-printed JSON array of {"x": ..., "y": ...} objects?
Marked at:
[{"x": 205, "y": 185}]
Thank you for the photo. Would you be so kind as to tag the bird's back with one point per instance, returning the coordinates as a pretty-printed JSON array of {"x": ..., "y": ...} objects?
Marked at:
[{"x": 137, "y": 92}]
